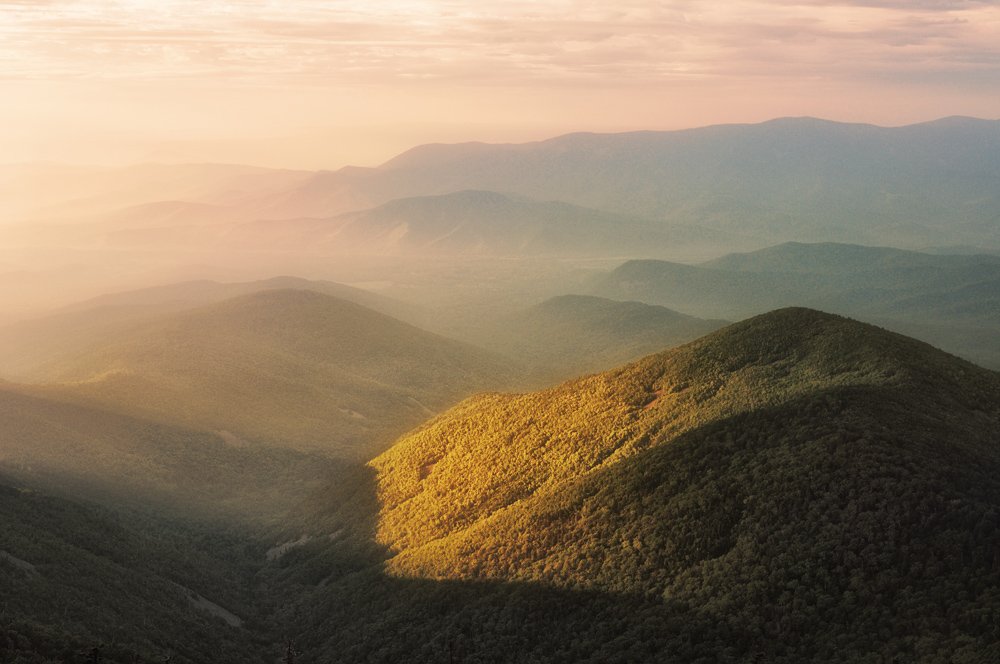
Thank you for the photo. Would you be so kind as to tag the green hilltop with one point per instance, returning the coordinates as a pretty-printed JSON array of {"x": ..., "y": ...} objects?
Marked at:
[{"x": 795, "y": 487}]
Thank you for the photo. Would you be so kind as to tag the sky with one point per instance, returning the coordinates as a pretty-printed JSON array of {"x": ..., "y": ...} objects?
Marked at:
[{"x": 321, "y": 84}]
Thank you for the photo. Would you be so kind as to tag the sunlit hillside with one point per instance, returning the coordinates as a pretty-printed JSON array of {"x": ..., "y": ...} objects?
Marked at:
[{"x": 781, "y": 489}]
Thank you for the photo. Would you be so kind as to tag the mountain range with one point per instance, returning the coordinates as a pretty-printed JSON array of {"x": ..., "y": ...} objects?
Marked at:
[
  {"x": 72, "y": 232},
  {"x": 949, "y": 300},
  {"x": 480, "y": 223},
  {"x": 793, "y": 178}
]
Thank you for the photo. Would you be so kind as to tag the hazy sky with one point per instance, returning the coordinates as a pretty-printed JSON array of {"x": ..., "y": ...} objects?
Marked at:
[{"x": 323, "y": 83}]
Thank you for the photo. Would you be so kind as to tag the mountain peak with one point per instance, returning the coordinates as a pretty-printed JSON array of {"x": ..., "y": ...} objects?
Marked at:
[
  {"x": 761, "y": 364},
  {"x": 802, "y": 334},
  {"x": 796, "y": 349},
  {"x": 834, "y": 258},
  {"x": 958, "y": 121}
]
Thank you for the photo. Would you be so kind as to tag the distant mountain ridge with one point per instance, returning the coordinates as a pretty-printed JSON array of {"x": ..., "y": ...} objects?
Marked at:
[
  {"x": 953, "y": 301},
  {"x": 791, "y": 178},
  {"x": 839, "y": 258},
  {"x": 481, "y": 223},
  {"x": 805, "y": 179}
]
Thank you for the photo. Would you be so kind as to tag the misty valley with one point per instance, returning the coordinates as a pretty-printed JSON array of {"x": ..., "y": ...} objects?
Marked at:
[{"x": 727, "y": 394}]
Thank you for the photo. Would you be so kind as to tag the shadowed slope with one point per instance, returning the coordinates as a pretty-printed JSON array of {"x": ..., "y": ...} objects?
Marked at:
[
  {"x": 86, "y": 452},
  {"x": 78, "y": 580}
]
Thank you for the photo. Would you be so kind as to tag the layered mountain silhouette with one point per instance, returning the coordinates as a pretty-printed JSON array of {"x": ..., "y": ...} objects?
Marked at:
[
  {"x": 484, "y": 223},
  {"x": 951, "y": 300},
  {"x": 922, "y": 185},
  {"x": 683, "y": 195},
  {"x": 793, "y": 178}
]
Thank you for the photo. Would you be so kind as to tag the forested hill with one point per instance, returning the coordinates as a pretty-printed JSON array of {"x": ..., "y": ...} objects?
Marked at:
[
  {"x": 571, "y": 335},
  {"x": 286, "y": 367},
  {"x": 523, "y": 443},
  {"x": 795, "y": 487}
]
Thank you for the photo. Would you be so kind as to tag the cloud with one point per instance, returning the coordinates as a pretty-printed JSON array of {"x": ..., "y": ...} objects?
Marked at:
[
  {"x": 902, "y": 5},
  {"x": 311, "y": 43},
  {"x": 206, "y": 69}
]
